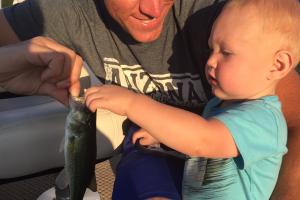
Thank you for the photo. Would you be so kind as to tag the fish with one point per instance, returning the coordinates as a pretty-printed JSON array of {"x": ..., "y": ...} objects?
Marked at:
[{"x": 80, "y": 147}]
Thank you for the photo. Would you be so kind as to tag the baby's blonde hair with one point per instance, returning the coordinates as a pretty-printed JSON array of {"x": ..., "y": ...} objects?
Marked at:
[{"x": 280, "y": 17}]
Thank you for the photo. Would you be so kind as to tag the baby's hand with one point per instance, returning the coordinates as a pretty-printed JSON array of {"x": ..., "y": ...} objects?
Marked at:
[
  {"x": 111, "y": 97},
  {"x": 145, "y": 138}
]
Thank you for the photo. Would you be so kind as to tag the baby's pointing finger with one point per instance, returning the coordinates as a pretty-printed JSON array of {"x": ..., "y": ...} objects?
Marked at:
[{"x": 91, "y": 90}]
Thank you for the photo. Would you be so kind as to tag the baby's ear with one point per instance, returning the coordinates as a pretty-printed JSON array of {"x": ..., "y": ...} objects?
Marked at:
[{"x": 282, "y": 65}]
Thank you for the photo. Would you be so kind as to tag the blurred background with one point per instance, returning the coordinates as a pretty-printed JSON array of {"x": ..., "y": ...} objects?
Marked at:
[{"x": 6, "y": 3}]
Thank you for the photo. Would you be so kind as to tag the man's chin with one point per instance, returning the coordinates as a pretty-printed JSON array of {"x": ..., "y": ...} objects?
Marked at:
[{"x": 146, "y": 37}]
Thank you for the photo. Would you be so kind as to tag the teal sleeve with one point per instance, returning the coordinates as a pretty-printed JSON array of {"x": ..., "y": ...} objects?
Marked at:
[{"x": 258, "y": 129}]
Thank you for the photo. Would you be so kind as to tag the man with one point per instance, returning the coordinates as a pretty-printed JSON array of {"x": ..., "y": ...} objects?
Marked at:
[{"x": 151, "y": 46}]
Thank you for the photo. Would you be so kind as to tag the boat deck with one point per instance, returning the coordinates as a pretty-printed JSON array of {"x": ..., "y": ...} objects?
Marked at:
[{"x": 31, "y": 188}]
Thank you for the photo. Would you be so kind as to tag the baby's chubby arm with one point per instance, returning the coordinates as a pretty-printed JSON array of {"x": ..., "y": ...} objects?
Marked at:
[
  {"x": 110, "y": 97},
  {"x": 181, "y": 130}
]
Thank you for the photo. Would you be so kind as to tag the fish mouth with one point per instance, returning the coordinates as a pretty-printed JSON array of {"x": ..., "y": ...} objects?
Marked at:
[
  {"x": 78, "y": 102},
  {"x": 78, "y": 99}
]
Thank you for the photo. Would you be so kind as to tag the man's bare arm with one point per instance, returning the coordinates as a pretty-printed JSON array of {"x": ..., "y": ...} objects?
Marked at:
[
  {"x": 39, "y": 66},
  {"x": 288, "y": 184}
]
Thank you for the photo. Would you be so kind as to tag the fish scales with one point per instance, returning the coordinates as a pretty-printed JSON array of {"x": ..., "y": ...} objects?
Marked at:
[{"x": 80, "y": 147}]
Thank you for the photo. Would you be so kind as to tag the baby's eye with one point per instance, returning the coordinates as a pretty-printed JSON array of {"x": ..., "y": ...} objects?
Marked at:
[{"x": 226, "y": 52}]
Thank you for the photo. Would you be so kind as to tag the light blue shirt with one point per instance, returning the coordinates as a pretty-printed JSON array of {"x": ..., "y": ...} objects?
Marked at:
[{"x": 259, "y": 130}]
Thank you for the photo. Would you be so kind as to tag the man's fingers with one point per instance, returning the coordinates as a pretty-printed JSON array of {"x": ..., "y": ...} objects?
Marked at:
[
  {"x": 64, "y": 84},
  {"x": 62, "y": 64},
  {"x": 71, "y": 67},
  {"x": 75, "y": 76},
  {"x": 59, "y": 94},
  {"x": 51, "y": 44},
  {"x": 74, "y": 89},
  {"x": 43, "y": 67},
  {"x": 55, "y": 62}
]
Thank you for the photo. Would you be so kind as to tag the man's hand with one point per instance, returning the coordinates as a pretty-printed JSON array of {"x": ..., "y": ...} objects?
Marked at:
[
  {"x": 145, "y": 138},
  {"x": 110, "y": 97},
  {"x": 40, "y": 66}
]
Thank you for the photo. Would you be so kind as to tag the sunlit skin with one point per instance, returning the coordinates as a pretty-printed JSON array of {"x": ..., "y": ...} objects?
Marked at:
[
  {"x": 241, "y": 59},
  {"x": 142, "y": 19}
]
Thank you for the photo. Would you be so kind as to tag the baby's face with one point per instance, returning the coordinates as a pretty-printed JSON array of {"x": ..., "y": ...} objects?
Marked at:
[{"x": 241, "y": 56}]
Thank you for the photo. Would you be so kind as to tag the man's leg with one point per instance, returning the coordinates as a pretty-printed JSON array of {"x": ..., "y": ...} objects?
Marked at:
[{"x": 145, "y": 176}]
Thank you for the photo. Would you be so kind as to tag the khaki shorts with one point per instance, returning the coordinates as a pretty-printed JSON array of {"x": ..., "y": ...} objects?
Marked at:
[
  {"x": 109, "y": 132},
  {"x": 109, "y": 125}
]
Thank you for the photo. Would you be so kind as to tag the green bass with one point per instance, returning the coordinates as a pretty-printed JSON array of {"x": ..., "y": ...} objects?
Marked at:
[{"x": 80, "y": 147}]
